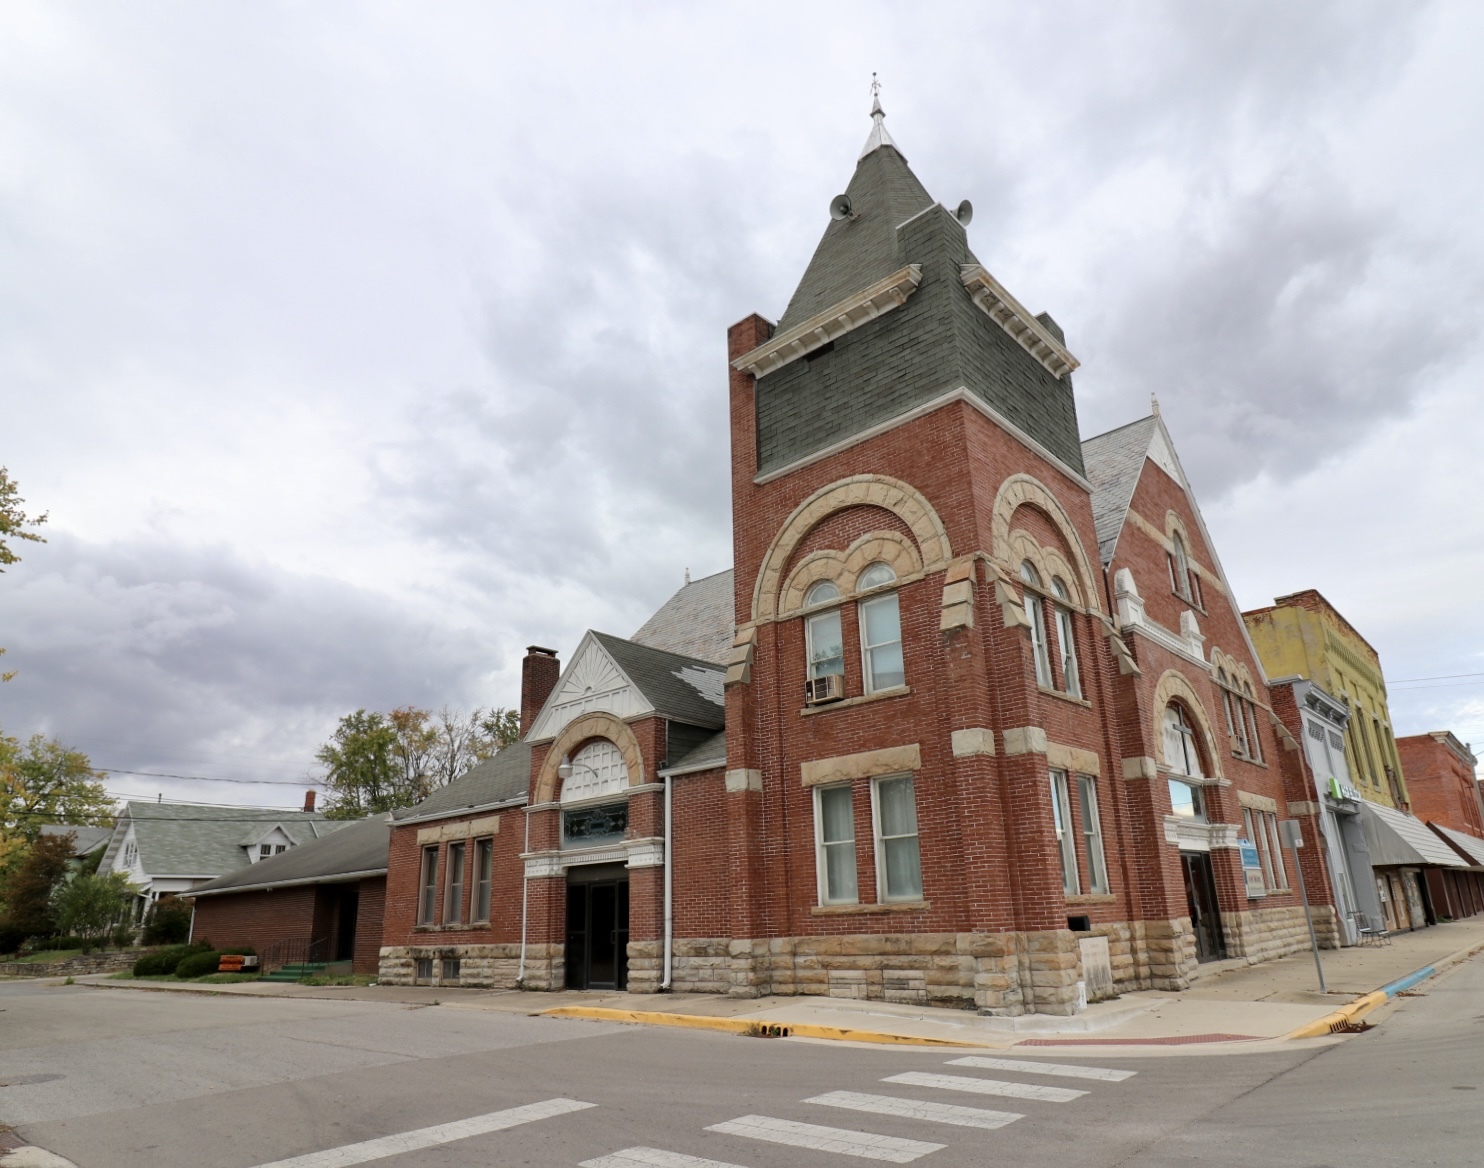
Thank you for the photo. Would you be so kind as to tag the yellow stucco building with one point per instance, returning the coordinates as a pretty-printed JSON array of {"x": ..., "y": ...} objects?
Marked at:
[{"x": 1302, "y": 635}]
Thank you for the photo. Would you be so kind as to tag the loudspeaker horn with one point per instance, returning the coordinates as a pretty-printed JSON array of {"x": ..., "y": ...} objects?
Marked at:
[
  {"x": 840, "y": 208},
  {"x": 965, "y": 212}
]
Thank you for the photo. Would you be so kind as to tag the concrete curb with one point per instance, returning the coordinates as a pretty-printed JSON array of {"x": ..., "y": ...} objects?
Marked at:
[
  {"x": 1352, "y": 1012},
  {"x": 754, "y": 1026},
  {"x": 16, "y": 1153}
]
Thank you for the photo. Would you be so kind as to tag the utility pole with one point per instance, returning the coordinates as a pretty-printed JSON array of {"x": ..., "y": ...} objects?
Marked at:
[{"x": 1293, "y": 836}]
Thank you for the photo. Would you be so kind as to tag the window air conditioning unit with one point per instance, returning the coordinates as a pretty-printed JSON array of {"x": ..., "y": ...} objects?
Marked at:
[{"x": 818, "y": 690}]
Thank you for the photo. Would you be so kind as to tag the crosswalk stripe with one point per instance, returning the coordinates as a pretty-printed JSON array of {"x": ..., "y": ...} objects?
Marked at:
[
  {"x": 916, "y": 1109},
  {"x": 653, "y": 1158},
  {"x": 1064, "y": 1070},
  {"x": 428, "y": 1137},
  {"x": 866, "y": 1145},
  {"x": 986, "y": 1086}
]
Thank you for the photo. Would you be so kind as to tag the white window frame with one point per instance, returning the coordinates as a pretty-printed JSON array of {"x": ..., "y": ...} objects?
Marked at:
[
  {"x": 1280, "y": 868},
  {"x": 1092, "y": 834},
  {"x": 1180, "y": 568},
  {"x": 484, "y": 882},
  {"x": 1066, "y": 844},
  {"x": 427, "y": 885},
  {"x": 821, "y": 846},
  {"x": 455, "y": 882},
  {"x": 868, "y": 669},
  {"x": 811, "y": 666},
  {"x": 1071, "y": 678},
  {"x": 884, "y": 895},
  {"x": 1035, "y": 612}
]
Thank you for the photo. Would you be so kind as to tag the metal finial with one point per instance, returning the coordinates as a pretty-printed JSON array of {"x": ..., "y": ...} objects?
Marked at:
[
  {"x": 1154, "y": 404},
  {"x": 879, "y": 136}
]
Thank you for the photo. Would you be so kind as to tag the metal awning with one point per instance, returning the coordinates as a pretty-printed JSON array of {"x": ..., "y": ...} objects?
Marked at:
[
  {"x": 1470, "y": 846},
  {"x": 1396, "y": 838}
]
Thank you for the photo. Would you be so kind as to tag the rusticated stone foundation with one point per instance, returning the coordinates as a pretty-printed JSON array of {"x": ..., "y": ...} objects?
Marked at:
[
  {"x": 1266, "y": 933},
  {"x": 480, "y": 966}
]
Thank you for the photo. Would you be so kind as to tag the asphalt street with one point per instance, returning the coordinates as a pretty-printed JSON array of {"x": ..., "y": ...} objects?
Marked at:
[{"x": 112, "y": 1077}]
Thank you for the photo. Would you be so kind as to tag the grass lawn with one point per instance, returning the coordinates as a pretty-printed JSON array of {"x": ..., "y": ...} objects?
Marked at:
[{"x": 213, "y": 978}]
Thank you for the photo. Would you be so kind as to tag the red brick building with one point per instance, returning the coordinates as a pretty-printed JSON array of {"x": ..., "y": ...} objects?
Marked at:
[
  {"x": 974, "y": 720},
  {"x": 1444, "y": 789}
]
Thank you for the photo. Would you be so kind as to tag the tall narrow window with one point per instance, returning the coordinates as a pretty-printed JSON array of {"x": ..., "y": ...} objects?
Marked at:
[
  {"x": 484, "y": 869},
  {"x": 1257, "y": 833},
  {"x": 834, "y": 826},
  {"x": 1092, "y": 834},
  {"x": 825, "y": 645},
  {"x": 453, "y": 898},
  {"x": 1280, "y": 870},
  {"x": 427, "y": 893},
  {"x": 1061, "y": 815},
  {"x": 1182, "y": 757},
  {"x": 1035, "y": 611},
  {"x": 898, "y": 861},
  {"x": 1066, "y": 640},
  {"x": 881, "y": 631},
  {"x": 1179, "y": 567},
  {"x": 1254, "y": 740}
]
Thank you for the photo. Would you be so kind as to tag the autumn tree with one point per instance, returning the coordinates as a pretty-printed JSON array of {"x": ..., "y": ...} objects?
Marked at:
[
  {"x": 377, "y": 762},
  {"x": 27, "y": 910},
  {"x": 44, "y": 781},
  {"x": 14, "y": 523}
]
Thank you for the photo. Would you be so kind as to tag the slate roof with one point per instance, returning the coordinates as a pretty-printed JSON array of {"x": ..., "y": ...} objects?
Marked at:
[
  {"x": 711, "y": 753},
  {"x": 687, "y": 689},
  {"x": 854, "y": 253},
  {"x": 85, "y": 838},
  {"x": 500, "y": 779},
  {"x": 360, "y": 846},
  {"x": 1113, "y": 463},
  {"x": 181, "y": 839},
  {"x": 695, "y": 622}
]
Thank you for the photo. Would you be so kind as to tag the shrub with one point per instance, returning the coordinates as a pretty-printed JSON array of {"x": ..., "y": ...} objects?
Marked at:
[
  {"x": 168, "y": 923},
  {"x": 198, "y": 964},
  {"x": 10, "y": 939},
  {"x": 164, "y": 961},
  {"x": 122, "y": 937}
]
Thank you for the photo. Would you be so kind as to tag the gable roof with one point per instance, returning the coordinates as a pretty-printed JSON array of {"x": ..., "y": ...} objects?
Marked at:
[
  {"x": 357, "y": 849},
  {"x": 501, "y": 779},
  {"x": 707, "y": 756},
  {"x": 85, "y": 839},
  {"x": 1114, "y": 461},
  {"x": 678, "y": 686},
  {"x": 183, "y": 839},
  {"x": 695, "y": 622}
]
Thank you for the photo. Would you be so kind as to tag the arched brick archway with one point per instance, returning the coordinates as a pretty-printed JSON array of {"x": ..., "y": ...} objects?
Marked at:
[
  {"x": 868, "y": 490},
  {"x": 1021, "y": 489},
  {"x": 578, "y": 731}
]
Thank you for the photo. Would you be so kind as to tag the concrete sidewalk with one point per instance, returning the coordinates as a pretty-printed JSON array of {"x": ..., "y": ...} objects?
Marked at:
[{"x": 1232, "y": 1006}]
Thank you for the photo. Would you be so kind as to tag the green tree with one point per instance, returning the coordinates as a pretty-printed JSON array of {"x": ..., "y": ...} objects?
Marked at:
[
  {"x": 90, "y": 906},
  {"x": 44, "y": 781},
  {"x": 28, "y": 891},
  {"x": 168, "y": 922},
  {"x": 13, "y": 525},
  {"x": 378, "y": 762}
]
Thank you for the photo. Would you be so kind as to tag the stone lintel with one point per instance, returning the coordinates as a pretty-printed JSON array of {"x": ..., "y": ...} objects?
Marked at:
[{"x": 865, "y": 765}]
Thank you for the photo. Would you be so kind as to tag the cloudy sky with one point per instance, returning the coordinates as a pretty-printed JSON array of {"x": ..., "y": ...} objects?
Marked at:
[{"x": 354, "y": 347}]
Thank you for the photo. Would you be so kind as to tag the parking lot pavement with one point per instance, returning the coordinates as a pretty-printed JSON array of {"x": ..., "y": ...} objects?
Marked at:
[{"x": 167, "y": 1080}]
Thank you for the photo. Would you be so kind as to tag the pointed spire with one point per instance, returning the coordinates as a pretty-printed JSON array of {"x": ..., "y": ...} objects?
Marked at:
[
  {"x": 1154, "y": 405},
  {"x": 879, "y": 136}
]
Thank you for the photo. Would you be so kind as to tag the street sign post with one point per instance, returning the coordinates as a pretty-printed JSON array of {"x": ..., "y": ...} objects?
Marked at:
[{"x": 1293, "y": 836}]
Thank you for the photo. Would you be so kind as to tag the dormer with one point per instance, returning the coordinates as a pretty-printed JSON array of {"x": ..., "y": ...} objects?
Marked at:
[{"x": 262, "y": 844}]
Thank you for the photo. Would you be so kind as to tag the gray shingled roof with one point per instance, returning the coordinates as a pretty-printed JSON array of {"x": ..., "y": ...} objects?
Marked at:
[
  {"x": 360, "y": 846},
  {"x": 854, "y": 253},
  {"x": 500, "y": 779},
  {"x": 85, "y": 839},
  {"x": 180, "y": 839},
  {"x": 695, "y": 622},
  {"x": 1113, "y": 463},
  {"x": 711, "y": 753},
  {"x": 686, "y": 689}
]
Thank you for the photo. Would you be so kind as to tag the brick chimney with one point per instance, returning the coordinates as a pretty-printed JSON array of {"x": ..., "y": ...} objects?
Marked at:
[
  {"x": 308, "y": 800},
  {"x": 538, "y": 677}
]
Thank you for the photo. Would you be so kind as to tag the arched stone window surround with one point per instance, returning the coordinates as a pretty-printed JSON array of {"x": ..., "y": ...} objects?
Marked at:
[
  {"x": 1048, "y": 562},
  {"x": 816, "y": 566},
  {"x": 843, "y": 569},
  {"x": 1172, "y": 686},
  {"x": 578, "y": 733},
  {"x": 1237, "y": 674},
  {"x": 869, "y": 490},
  {"x": 1021, "y": 490}
]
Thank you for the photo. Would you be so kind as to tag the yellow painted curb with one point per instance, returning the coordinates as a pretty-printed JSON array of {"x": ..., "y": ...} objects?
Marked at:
[
  {"x": 756, "y": 1026},
  {"x": 1339, "y": 1019}
]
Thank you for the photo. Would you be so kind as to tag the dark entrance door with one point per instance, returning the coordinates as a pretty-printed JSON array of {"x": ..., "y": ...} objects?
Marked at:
[
  {"x": 345, "y": 922},
  {"x": 597, "y": 928},
  {"x": 1205, "y": 914}
]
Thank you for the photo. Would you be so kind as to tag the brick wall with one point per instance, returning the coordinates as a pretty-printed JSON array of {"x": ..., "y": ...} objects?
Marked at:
[
  {"x": 1441, "y": 784},
  {"x": 257, "y": 919}
]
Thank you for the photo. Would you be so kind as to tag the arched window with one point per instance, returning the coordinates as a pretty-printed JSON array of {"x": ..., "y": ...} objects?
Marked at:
[
  {"x": 1066, "y": 640},
  {"x": 1035, "y": 611},
  {"x": 597, "y": 769},
  {"x": 1179, "y": 568},
  {"x": 824, "y": 642},
  {"x": 881, "y": 631},
  {"x": 1183, "y": 758}
]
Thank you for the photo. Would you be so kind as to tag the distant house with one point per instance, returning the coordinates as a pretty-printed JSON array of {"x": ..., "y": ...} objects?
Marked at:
[
  {"x": 85, "y": 840},
  {"x": 318, "y": 902},
  {"x": 171, "y": 848}
]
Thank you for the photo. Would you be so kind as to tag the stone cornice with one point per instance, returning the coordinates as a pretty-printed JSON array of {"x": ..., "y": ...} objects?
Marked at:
[
  {"x": 1017, "y": 320},
  {"x": 835, "y": 321}
]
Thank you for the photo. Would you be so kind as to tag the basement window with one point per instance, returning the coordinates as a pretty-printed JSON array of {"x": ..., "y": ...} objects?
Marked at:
[
  {"x": 450, "y": 971},
  {"x": 424, "y": 971}
]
